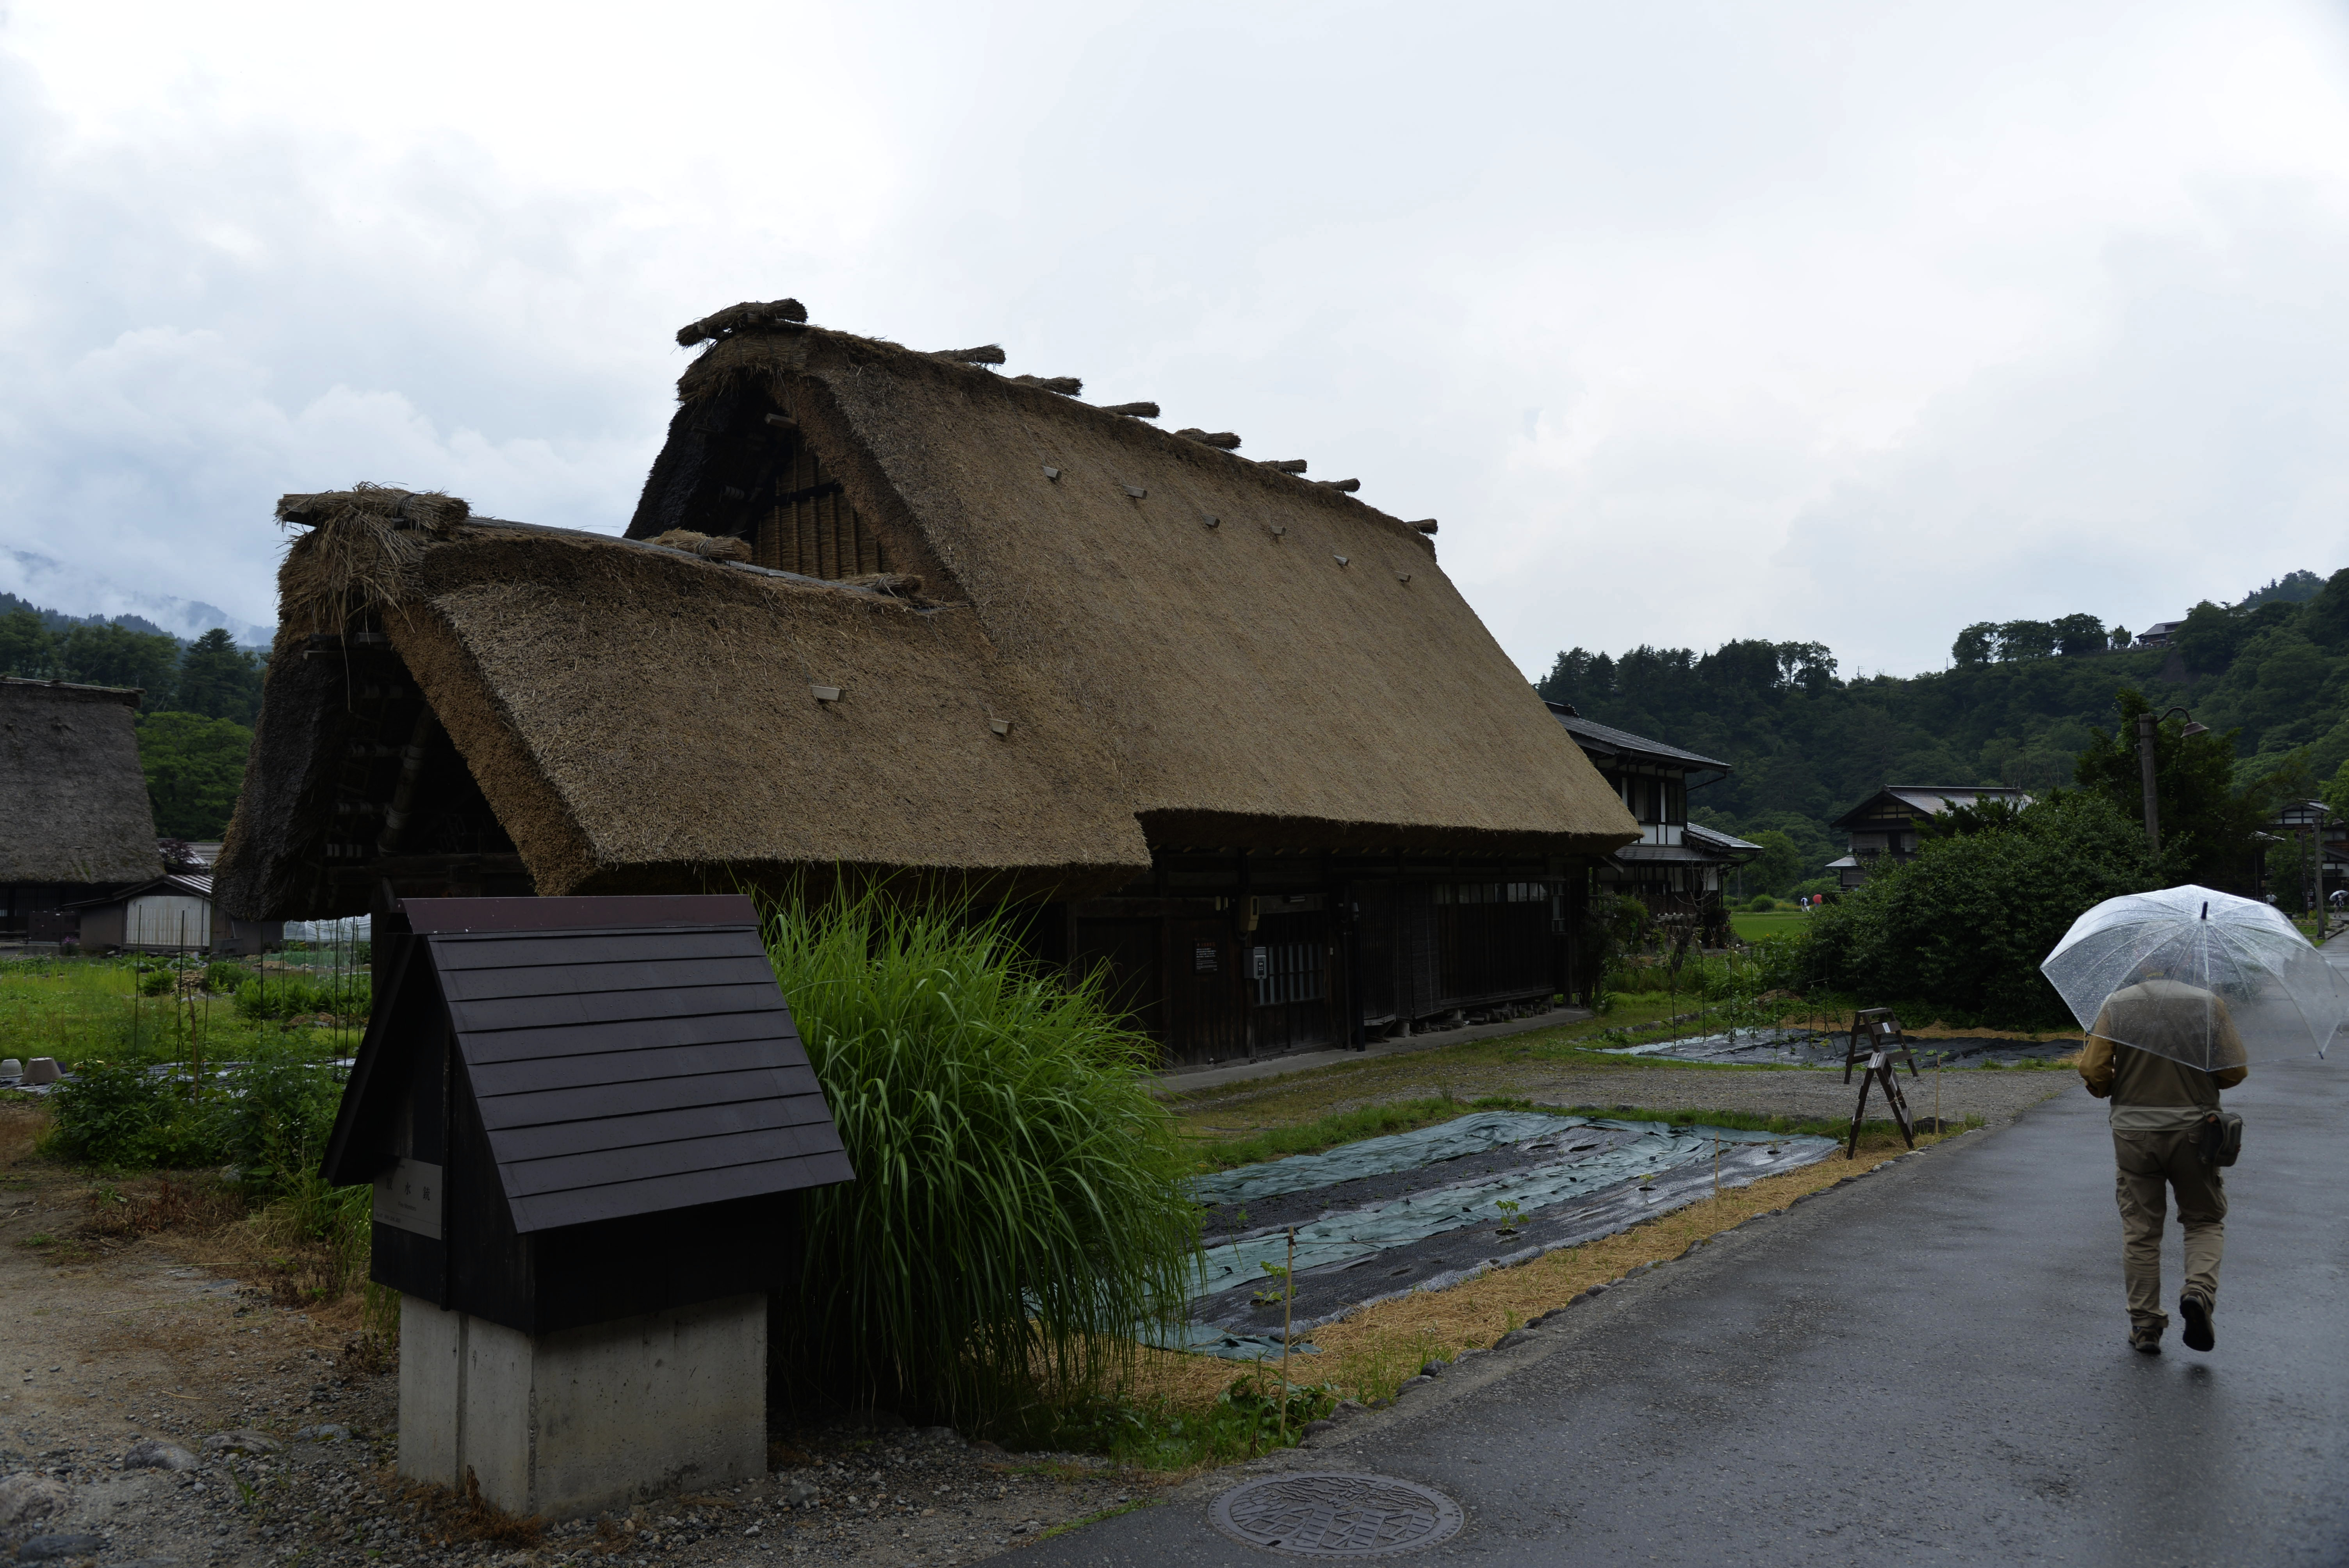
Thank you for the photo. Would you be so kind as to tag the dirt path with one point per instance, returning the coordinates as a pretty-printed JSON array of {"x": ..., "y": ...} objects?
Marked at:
[{"x": 105, "y": 1347}]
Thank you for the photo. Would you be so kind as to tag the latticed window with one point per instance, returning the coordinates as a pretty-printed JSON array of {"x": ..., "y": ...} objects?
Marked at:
[{"x": 1293, "y": 973}]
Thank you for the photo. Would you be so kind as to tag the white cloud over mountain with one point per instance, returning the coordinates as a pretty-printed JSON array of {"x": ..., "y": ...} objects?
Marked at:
[{"x": 1834, "y": 322}]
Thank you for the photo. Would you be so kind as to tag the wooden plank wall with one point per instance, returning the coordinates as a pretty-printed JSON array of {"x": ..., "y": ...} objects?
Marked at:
[{"x": 812, "y": 530}]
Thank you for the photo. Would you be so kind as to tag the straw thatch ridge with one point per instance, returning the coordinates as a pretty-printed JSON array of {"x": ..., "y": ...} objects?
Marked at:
[
  {"x": 76, "y": 808},
  {"x": 1301, "y": 662},
  {"x": 780, "y": 314}
]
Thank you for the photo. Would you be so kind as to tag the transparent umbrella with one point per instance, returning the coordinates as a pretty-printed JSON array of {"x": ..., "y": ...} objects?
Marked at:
[{"x": 2202, "y": 977}]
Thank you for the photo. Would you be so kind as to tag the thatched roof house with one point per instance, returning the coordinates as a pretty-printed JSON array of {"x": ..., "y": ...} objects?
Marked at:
[
  {"x": 74, "y": 814},
  {"x": 895, "y": 611}
]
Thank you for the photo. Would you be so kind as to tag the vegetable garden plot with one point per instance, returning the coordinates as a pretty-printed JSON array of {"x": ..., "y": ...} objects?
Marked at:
[{"x": 1426, "y": 1210}]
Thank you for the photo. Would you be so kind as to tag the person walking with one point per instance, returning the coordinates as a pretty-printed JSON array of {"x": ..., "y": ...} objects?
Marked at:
[{"x": 2160, "y": 1104}]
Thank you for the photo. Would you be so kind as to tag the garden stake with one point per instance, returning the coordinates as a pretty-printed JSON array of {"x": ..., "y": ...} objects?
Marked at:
[
  {"x": 1716, "y": 1166},
  {"x": 1287, "y": 1317}
]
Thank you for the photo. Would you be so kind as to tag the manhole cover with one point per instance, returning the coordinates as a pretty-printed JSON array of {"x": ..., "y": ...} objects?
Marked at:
[{"x": 1333, "y": 1515}]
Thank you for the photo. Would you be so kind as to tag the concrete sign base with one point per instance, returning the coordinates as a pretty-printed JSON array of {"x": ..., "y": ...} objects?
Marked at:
[{"x": 587, "y": 1419}]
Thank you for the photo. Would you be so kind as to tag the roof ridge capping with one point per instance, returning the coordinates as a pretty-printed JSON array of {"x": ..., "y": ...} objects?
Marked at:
[
  {"x": 780, "y": 315},
  {"x": 434, "y": 511}
]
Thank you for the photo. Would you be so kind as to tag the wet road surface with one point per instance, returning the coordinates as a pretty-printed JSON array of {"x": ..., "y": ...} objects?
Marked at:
[{"x": 1927, "y": 1366}]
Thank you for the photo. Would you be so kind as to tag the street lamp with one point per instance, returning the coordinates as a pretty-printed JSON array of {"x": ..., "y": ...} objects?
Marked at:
[{"x": 2146, "y": 723}]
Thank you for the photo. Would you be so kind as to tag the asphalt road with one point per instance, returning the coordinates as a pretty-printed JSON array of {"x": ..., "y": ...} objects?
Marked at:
[{"x": 1927, "y": 1366}]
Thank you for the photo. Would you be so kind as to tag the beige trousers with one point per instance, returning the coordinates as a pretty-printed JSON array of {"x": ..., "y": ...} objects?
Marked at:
[{"x": 2150, "y": 1165}]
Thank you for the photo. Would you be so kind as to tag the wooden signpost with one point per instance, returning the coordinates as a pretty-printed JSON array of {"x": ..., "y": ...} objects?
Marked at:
[{"x": 1875, "y": 1040}]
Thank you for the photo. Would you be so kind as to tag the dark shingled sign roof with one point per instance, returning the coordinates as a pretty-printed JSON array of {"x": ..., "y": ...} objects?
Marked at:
[{"x": 629, "y": 1056}]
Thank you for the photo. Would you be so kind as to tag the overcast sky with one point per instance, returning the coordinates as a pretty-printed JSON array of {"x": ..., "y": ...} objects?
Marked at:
[{"x": 1822, "y": 322}]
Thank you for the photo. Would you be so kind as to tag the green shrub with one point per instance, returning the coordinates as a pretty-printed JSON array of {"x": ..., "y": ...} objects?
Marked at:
[
  {"x": 120, "y": 1115},
  {"x": 273, "y": 1117},
  {"x": 287, "y": 996},
  {"x": 222, "y": 975},
  {"x": 1761, "y": 904},
  {"x": 157, "y": 982},
  {"x": 1964, "y": 925},
  {"x": 1020, "y": 1210}
]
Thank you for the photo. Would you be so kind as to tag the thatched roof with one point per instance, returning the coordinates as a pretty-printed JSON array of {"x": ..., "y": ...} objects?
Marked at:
[
  {"x": 1061, "y": 634},
  {"x": 1273, "y": 661},
  {"x": 644, "y": 719},
  {"x": 76, "y": 808}
]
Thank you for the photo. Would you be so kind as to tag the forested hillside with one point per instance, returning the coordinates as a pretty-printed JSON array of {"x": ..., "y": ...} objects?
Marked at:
[
  {"x": 2017, "y": 706},
  {"x": 194, "y": 721}
]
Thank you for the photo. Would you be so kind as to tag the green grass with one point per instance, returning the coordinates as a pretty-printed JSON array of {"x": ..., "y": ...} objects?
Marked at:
[
  {"x": 1338, "y": 1127},
  {"x": 81, "y": 1010},
  {"x": 1752, "y": 926},
  {"x": 1111, "y": 1512}
]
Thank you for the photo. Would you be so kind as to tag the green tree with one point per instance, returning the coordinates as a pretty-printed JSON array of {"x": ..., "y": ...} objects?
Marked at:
[
  {"x": 1962, "y": 928},
  {"x": 2326, "y": 620},
  {"x": 2336, "y": 793},
  {"x": 219, "y": 679},
  {"x": 1779, "y": 866},
  {"x": 26, "y": 648},
  {"x": 117, "y": 656},
  {"x": 2025, "y": 640},
  {"x": 2078, "y": 635},
  {"x": 2206, "y": 824},
  {"x": 194, "y": 767},
  {"x": 1975, "y": 644}
]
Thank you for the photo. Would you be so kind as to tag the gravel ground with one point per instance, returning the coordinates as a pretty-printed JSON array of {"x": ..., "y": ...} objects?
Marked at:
[{"x": 106, "y": 1346}]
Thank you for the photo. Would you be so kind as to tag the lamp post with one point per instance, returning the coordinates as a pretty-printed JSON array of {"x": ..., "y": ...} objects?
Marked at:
[{"x": 2146, "y": 723}]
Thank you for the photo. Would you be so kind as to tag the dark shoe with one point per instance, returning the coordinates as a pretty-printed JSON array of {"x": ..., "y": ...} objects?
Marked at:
[
  {"x": 2146, "y": 1341},
  {"x": 2197, "y": 1313}
]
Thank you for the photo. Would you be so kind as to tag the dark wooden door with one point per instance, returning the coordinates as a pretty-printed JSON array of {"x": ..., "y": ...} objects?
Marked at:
[
  {"x": 1290, "y": 1001},
  {"x": 1125, "y": 954},
  {"x": 1205, "y": 1011}
]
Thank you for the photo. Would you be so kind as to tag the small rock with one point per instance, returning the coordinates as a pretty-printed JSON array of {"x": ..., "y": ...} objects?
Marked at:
[
  {"x": 332, "y": 1432},
  {"x": 26, "y": 1497},
  {"x": 941, "y": 1435},
  {"x": 1315, "y": 1428},
  {"x": 876, "y": 1421},
  {"x": 50, "y": 1548},
  {"x": 799, "y": 1494},
  {"x": 156, "y": 1454},
  {"x": 1345, "y": 1407},
  {"x": 1432, "y": 1369},
  {"x": 1514, "y": 1337},
  {"x": 1414, "y": 1382},
  {"x": 1594, "y": 1290},
  {"x": 240, "y": 1442}
]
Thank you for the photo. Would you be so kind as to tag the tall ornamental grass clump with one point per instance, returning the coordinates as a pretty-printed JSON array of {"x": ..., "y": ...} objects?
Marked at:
[{"x": 1020, "y": 1211}]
